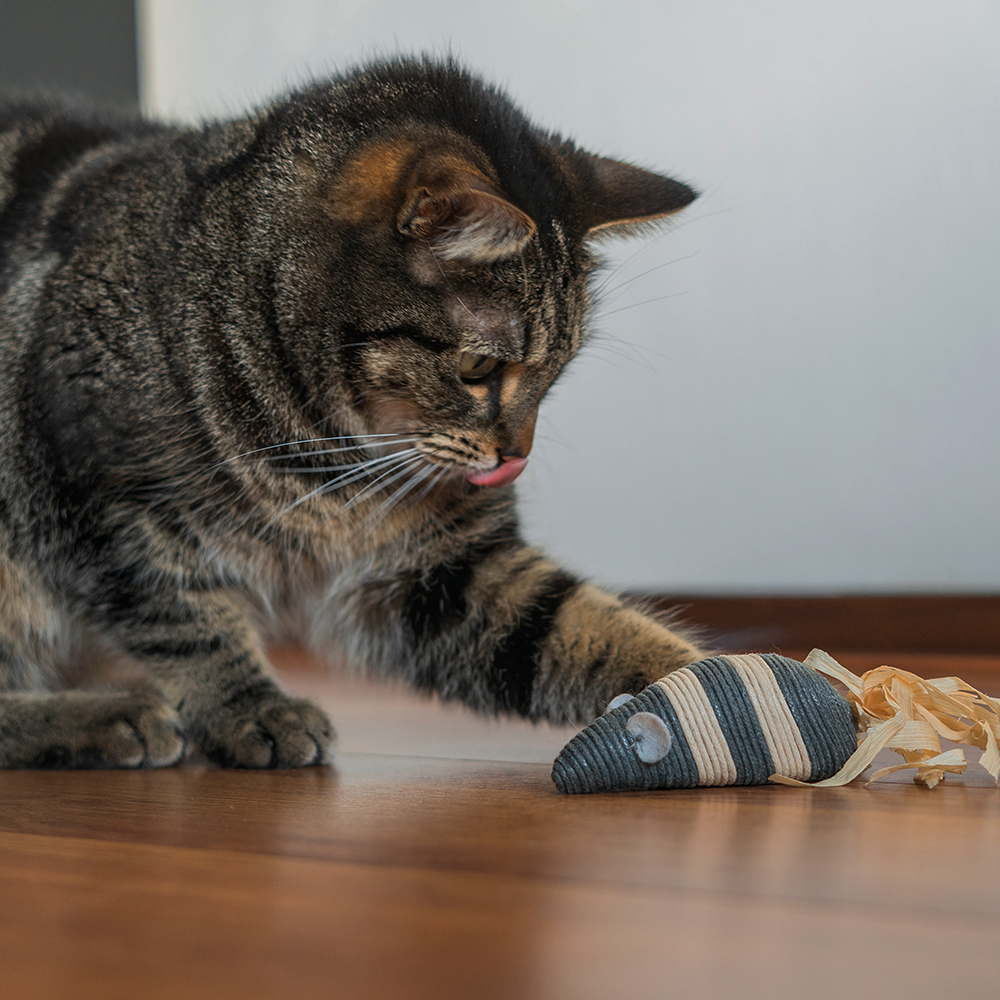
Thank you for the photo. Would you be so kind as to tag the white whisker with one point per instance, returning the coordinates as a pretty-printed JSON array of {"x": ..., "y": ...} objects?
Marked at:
[
  {"x": 305, "y": 441},
  {"x": 363, "y": 470},
  {"x": 338, "y": 451},
  {"x": 442, "y": 472},
  {"x": 635, "y": 305},
  {"x": 370, "y": 489},
  {"x": 396, "y": 496},
  {"x": 346, "y": 466},
  {"x": 644, "y": 248},
  {"x": 617, "y": 288}
]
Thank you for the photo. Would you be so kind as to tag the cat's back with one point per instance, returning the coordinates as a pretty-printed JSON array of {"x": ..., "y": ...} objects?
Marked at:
[
  {"x": 57, "y": 190},
  {"x": 40, "y": 139},
  {"x": 63, "y": 179},
  {"x": 50, "y": 150}
]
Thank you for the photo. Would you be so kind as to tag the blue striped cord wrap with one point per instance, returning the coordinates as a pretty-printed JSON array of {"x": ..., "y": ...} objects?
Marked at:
[{"x": 732, "y": 720}]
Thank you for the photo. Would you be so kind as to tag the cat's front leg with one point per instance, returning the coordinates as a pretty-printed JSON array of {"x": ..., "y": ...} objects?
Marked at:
[
  {"x": 505, "y": 630},
  {"x": 126, "y": 725},
  {"x": 600, "y": 646},
  {"x": 206, "y": 656}
]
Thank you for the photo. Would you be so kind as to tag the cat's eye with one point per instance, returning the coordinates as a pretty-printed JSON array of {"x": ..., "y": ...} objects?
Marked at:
[{"x": 476, "y": 367}]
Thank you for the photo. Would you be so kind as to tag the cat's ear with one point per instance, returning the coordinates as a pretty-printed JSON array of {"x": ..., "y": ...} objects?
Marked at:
[
  {"x": 618, "y": 196},
  {"x": 464, "y": 218}
]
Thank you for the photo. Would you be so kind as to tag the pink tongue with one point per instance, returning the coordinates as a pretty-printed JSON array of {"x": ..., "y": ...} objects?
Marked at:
[{"x": 506, "y": 472}]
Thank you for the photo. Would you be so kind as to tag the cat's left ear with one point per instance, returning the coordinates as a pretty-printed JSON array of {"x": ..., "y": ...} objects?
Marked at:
[
  {"x": 465, "y": 218},
  {"x": 617, "y": 196}
]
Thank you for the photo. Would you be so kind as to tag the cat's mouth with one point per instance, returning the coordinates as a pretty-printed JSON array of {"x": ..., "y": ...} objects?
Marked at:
[{"x": 506, "y": 472}]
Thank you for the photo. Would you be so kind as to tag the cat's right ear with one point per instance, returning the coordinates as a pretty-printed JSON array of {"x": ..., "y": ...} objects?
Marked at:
[{"x": 616, "y": 196}]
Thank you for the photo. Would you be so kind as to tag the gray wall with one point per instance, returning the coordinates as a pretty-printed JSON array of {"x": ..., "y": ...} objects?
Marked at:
[
  {"x": 83, "y": 46},
  {"x": 796, "y": 388}
]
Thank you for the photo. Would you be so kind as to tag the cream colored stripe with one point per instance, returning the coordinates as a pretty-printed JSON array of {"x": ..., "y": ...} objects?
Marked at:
[
  {"x": 700, "y": 727},
  {"x": 781, "y": 731}
]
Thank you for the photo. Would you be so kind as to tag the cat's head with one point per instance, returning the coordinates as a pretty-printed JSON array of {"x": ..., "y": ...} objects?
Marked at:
[{"x": 439, "y": 262}]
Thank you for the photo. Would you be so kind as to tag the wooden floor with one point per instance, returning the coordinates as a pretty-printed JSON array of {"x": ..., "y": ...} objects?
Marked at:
[{"x": 437, "y": 860}]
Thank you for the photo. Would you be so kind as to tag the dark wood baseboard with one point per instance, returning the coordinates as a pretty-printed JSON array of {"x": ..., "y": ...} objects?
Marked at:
[{"x": 966, "y": 624}]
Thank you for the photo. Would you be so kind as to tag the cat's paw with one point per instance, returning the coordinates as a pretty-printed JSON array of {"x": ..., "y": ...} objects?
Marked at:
[
  {"x": 96, "y": 730},
  {"x": 278, "y": 732},
  {"x": 145, "y": 735}
]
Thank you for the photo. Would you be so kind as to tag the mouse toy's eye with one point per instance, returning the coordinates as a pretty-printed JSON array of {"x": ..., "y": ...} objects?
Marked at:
[{"x": 475, "y": 367}]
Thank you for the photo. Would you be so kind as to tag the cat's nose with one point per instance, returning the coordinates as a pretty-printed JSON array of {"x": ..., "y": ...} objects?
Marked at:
[{"x": 520, "y": 441}]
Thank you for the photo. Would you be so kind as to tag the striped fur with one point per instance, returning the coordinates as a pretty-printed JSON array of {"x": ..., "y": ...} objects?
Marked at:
[
  {"x": 733, "y": 720},
  {"x": 233, "y": 410}
]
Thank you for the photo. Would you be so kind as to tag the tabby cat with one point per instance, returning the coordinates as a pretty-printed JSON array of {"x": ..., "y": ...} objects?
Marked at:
[{"x": 275, "y": 377}]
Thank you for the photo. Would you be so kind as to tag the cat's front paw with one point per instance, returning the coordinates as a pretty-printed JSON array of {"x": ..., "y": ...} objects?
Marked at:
[
  {"x": 150, "y": 735},
  {"x": 277, "y": 732},
  {"x": 91, "y": 729}
]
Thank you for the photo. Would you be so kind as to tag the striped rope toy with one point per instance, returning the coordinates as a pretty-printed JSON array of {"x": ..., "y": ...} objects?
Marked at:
[{"x": 727, "y": 720}]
